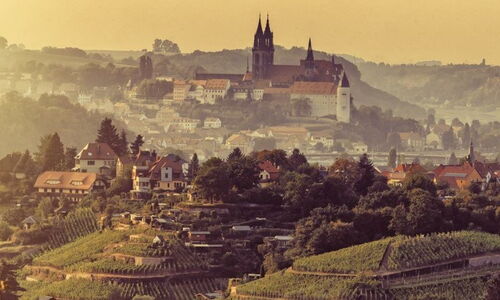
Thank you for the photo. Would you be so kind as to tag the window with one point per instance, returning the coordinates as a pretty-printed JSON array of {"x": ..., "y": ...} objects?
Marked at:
[
  {"x": 76, "y": 182},
  {"x": 53, "y": 181},
  {"x": 91, "y": 162}
]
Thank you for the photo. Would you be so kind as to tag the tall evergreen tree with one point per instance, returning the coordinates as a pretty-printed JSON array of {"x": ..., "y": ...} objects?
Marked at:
[
  {"x": 466, "y": 136},
  {"x": 122, "y": 144},
  {"x": 137, "y": 144},
  {"x": 53, "y": 158},
  {"x": 448, "y": 139},
  {"x": 366, "y": 175},
  {"x": 194, "y": 166},
  {"x": 107, "y": 133},
  {"x": 25, "y": 164},
  {"x": 296, "y": 159},
  {"x": 393, "y": 156},
  {"x": 235, "y": 154}
]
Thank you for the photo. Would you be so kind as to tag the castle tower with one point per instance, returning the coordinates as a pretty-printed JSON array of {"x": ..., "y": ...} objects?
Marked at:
[
  {"x": 310, "y": 68},
  {"x": 344, "y": 100},
  {"x": 262, "y": 51}
]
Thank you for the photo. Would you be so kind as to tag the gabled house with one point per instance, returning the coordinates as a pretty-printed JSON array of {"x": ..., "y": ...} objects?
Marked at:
[
  {"x": 73, "y": 185},
  {"x": 268, "y": 173},
  {"x": 399, "y": 174},
  {"x": 96, "y": 158},
  {"x": 412, "y": 141},
  {"x": 457, "y": 177}
]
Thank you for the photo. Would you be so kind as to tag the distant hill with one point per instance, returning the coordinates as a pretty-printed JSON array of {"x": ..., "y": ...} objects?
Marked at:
[
  {"x": 234, "y": 61},
  {"x": 475, "y": 86}
]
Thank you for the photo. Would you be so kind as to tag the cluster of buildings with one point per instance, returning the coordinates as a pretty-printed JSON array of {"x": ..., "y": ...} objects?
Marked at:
[{"x": 456, "y": 177}]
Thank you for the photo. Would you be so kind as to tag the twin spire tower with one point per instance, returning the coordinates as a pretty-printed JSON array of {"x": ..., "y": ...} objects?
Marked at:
[{"x": 263, "y": 53}]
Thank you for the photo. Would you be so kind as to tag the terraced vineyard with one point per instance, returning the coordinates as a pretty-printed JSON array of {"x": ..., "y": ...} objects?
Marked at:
[
  {"x": 82, "y": 249},
  {"x": 297, "y": 286},
  {"x": 173, "y": 289},
  {"x": 75, "y": 225},
  {"x": 76, "y": 289},
  {"x": 472, "y": 288},
  {"x": 360, "y": 258},
  {"x": 419, "y": 251}
]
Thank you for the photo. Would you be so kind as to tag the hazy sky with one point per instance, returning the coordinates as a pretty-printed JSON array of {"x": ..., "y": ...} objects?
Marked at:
[{"x": 381, "y": 30}]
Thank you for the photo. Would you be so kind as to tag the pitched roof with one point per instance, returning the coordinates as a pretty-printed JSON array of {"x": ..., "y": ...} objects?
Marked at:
[
  {"x": 314, "y": 88},
  {"x": 65, "y": 180},
  {"x": 410, "y": 168},
  {"x": 170, "y": 161},
  {"x": 268, "y": 166},
  {"x": 217, "y": 84},
  {"x": 208, "y": 76},
  {"x": 97, "y": 151},
  {"x": 410, "y": 136}
]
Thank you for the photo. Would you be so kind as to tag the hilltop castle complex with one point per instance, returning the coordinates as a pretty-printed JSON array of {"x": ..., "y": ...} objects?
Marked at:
[{"x": 322, "y": 83}]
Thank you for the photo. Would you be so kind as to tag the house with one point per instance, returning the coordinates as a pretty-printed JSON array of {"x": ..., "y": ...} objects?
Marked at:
[
  {"x": 29, "y": 222},
  {"x": 216, "y": 89},
  {"x": 434, "y": 139},
  {"x": 398, "y": 175},
  {"x": 279, "y": 241},
  {"x": 168, "y": 173},
  {"x": 124, "y": 165},
  {"x": 181, "y": 89},
  {"x": 73, "y": 185},
  {"x": 412, "y": 141},
  {"x": 198, "y": 236},
  {"x": 184, "y": 124},
  {"x": 360, "y": 148},
  {"x": 241, "y": 228},
  {"x": 268, "y": 173},
  {"x": 457, "y": 177},
  {"x": 96, "y": 158},
  {"x": 324, "y": 138},
  {"x": 212, "y": 123}
]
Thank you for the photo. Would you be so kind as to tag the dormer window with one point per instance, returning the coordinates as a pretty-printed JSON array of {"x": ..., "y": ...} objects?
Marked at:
[
  {"x": 53, "y": 181},
  {"x": 76, "y": 182}
]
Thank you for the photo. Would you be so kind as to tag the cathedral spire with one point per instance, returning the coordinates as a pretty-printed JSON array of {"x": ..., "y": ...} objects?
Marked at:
[
  {"x": 259, "y": 27},
  {"x": 310, "y": 55},
  {"x": 267, "y": 31},
  {"x": 471, "y": 157},
  {"x": 344, "y": 82}
]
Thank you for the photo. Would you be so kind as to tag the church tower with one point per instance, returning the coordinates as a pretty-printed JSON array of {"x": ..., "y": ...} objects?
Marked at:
[
  {"x": 310, "y": 68},
  {"x": 344, "y": 100},
  {"x": 262, "y": 51}
]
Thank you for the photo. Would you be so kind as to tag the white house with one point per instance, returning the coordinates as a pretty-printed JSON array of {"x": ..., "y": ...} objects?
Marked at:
[
  {"x": 216, "y": 89},
  {"x": 96, "y": 158},
  {"x": 321, "y": 96},
  {"x": 212, "y": 123}
]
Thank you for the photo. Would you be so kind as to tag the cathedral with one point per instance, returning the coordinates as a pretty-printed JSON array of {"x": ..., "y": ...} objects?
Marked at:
[{"x": 323, "y": 83}]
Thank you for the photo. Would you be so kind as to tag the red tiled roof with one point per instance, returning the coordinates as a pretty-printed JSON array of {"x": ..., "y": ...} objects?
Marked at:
[
  {"x": 217, "y": 84},
  {"x": 169, "y": 161},
  {"x": 65, "y": 180},
  {"x": 97, "y": 151}
]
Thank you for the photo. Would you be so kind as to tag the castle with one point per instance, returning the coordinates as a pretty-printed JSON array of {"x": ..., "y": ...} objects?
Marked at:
[{"x": 322, "y": 83}]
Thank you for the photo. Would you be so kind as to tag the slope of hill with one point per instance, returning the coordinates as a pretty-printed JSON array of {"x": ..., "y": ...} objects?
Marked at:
[
  {"x": 234, "y": 61},
  {"x": 476, "y": 86},
  {"x": 438, "y": 265}
]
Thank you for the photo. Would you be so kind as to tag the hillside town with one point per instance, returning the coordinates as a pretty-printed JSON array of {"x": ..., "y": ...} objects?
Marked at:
[{"x": 271, "y": 183}]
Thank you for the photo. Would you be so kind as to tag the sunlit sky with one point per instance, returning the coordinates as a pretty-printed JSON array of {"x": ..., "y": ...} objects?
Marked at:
[{"x": 394, "y": 31}]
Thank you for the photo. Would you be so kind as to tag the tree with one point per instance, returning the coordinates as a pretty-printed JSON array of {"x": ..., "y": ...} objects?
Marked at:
[
  {"x": 466, "y": 136},
  {"x": 453, "y": 159},
  {"x": 3, "y": 42},
  {"x": 366, "y": 175},
  {"x": 213, "y": 180},
  {"x": 394, "y": 140},
  {"x": 194, "y": 166},
  {"x": 296, "y": 159},
  {"x": 235, "y": 154},
  {"x": 493, "y": 288},
  {"x": 44, "y": 208},
  {"x": 119, "y": 185},
  {"x": 419, "y": 181},
  {"x": 137, "y": 144},
  {"x": 424, "y": 213},
  {"x": 5, "y": 231},
  {"x": 346, "y": 170},
  {"x": 393, "y": 156},
  {"x": 53, "y": 155},
  {"x": 243, "y": 172},
  {"x": 107, "y": 134},
  {"x": 69, "y": 158},
  {"x": 14, "y": 216},
  {"x": 122, "y": 144},
  {"x": 25, "y": 165},
  {"x": 448, "y": 139}
]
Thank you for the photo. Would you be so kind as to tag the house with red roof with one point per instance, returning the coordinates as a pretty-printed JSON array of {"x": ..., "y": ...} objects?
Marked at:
[
  {"x": 268, "y": 173},
  {"x": 73, "y": 185},
  {"x": 399, "y": 174},
  {"x": 457, "y": 177}
]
